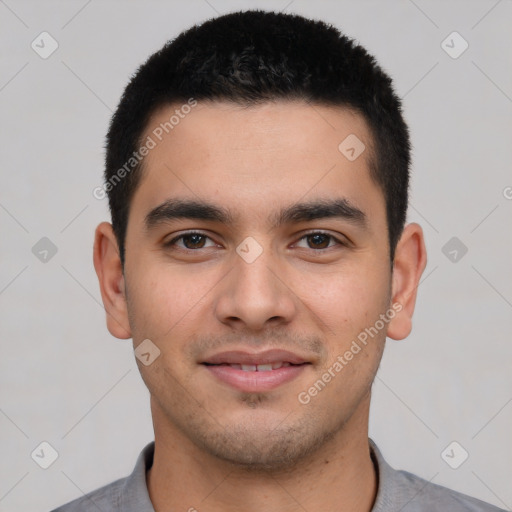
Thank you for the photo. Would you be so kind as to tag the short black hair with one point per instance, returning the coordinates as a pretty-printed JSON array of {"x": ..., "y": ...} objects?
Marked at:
[{"x": 251, "y": 57}]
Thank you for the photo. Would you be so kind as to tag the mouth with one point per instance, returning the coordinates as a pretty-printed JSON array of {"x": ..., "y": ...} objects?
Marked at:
[
  {"x": 256, "y": 367},
  {"x": 255, "y": 372}
]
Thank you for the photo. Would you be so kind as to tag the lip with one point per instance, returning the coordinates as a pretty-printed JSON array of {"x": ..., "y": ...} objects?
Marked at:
[
  {"x": 255, "y": 381},
  {"x": 265, "y": 357}
]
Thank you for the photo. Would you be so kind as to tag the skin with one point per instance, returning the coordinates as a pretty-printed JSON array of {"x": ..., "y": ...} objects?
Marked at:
[{"x": 218, "y": 448}]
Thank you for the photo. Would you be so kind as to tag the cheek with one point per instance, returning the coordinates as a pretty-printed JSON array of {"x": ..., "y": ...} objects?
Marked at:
[
  {"x": 166, "y": 300},
  {"x": 156, "y": 302},
  {"x": 348, "y": 299},
  {"x": 347, "y": 310}
]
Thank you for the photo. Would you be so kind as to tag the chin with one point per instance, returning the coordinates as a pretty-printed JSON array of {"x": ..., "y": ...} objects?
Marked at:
[{"x": 258, "y": 448}]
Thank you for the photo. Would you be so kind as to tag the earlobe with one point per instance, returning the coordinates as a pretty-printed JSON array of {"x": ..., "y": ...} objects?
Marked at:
[
  {"x": 408, "y": 266},
  {"x": 111, "y": 279}
]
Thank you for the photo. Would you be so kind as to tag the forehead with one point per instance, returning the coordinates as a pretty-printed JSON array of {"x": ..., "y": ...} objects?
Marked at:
[
  {"x": 281, "y": 126},
  {"x": 257, "y": 156}
]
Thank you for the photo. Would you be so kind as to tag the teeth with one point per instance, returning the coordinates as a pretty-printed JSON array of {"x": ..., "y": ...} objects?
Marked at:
[{"x": 259, "y": 367}]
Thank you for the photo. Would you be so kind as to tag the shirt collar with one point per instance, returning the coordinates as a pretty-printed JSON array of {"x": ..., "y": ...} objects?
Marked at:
[
  {"x": 134, "y": 496},
  {"x": 386, "y": 476}
]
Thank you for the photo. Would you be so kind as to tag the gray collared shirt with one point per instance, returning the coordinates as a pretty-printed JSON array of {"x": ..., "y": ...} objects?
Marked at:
[{"x": 399, "y": 491}]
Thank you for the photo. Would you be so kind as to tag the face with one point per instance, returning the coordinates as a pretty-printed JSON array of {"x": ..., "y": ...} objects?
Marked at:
[{"x": 256, "y": 255}]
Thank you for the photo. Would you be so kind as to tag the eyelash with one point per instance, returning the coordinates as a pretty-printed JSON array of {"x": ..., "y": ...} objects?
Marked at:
[{"x": 191, "y": 233}]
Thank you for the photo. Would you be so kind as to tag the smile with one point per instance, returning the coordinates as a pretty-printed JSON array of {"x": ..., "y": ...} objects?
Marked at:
[
  {"x": 257, "y": 367},
  {"x": 255, "y": 372}
]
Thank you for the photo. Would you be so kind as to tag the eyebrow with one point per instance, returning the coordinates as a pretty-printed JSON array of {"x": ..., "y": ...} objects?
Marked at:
[
  {"x": 320, "y": 209},
  {"x": 187, "y": 209},
  {"x": 299, "y": 212}
]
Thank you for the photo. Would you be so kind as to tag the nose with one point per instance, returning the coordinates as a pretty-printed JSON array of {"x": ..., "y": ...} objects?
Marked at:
[{"x": 256, "y": 295}]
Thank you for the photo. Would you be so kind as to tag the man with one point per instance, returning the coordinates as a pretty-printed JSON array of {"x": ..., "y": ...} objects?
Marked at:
[{"x": 257, "y": 171}]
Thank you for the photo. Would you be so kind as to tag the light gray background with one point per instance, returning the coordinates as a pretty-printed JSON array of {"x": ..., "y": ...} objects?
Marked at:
[{"x": 66, "y": 381}]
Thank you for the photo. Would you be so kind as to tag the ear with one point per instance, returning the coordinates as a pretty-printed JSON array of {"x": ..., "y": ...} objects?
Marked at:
[
  {"x": 410, "y": 261},
  {"x": 110, "y": 275}
]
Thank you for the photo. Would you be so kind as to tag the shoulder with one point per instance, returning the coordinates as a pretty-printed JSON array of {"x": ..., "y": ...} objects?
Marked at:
[
  {"x": 404, "y": 491},
  {"x": 128, "y": 494},
  {"x": 421, "y": 495},
  {"x": 105, "y": 499}
]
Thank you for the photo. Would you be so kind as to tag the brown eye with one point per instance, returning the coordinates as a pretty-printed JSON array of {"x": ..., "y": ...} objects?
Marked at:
[
  {"x": 319, "y": 241},
  {"x": 194, "y": 241},
  {"x": 189, "y": 241}
]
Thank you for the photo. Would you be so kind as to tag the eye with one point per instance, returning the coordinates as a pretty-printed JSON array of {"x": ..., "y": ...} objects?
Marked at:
[
  {"x": 191, "y": 241},
  {"x": 319, "y": 240}
]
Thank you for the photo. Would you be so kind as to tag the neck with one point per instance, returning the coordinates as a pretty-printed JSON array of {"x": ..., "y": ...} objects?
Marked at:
[{"x": 338, "y": 476}]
